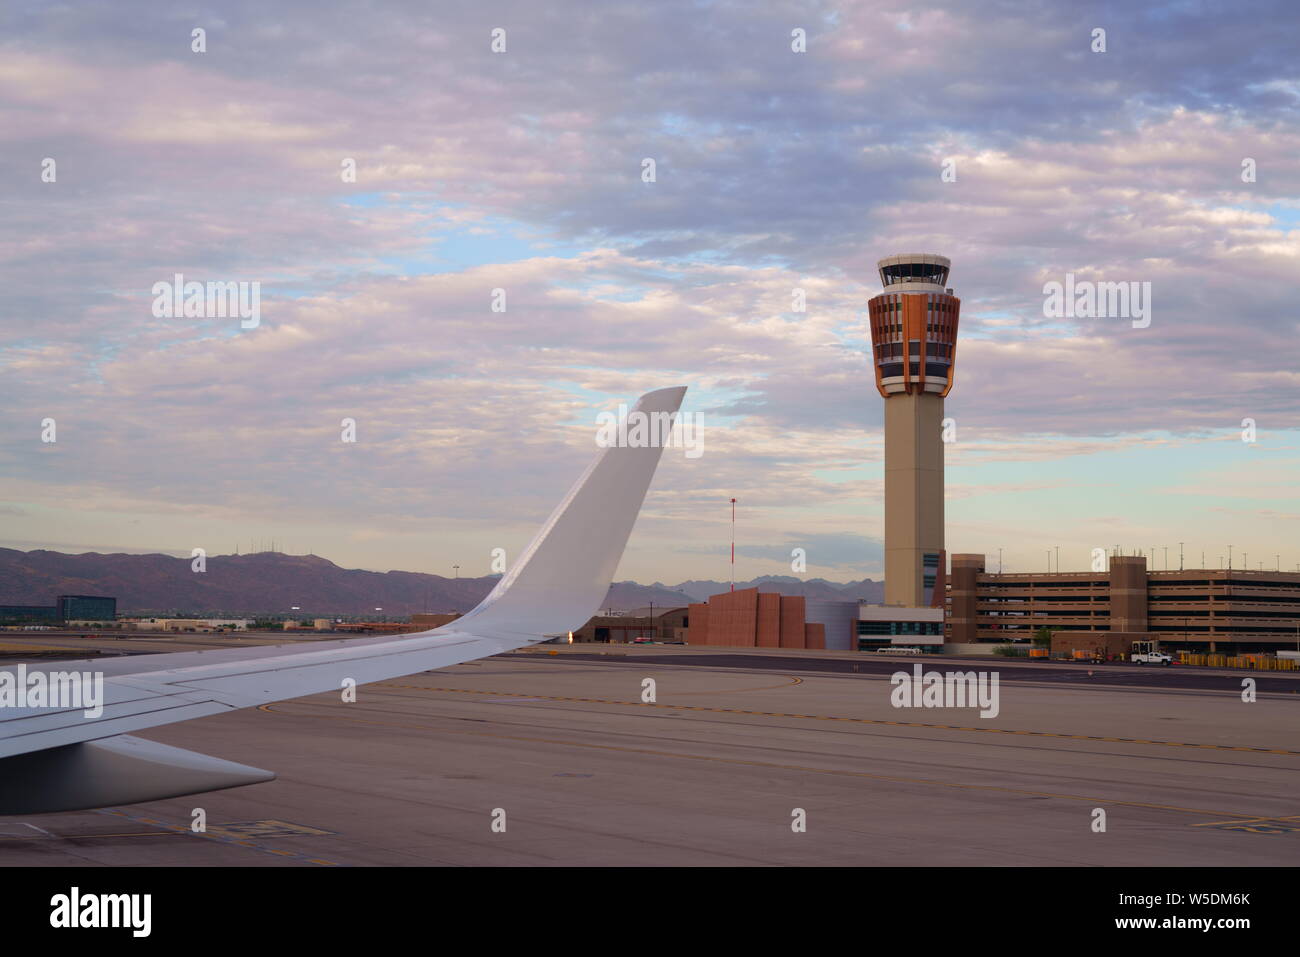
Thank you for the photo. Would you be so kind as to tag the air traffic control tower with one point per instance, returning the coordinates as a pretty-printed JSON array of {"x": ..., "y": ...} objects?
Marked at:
[{"x": 914, "y": 343}]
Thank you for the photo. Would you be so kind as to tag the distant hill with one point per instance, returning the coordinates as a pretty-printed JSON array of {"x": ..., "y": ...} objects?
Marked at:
[
  {"x": 819, "y": 588},
  {"x": 271, "y": 583}
]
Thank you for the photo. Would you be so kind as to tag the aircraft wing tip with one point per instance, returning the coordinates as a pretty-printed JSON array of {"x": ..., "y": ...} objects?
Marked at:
[{"x": 670, "y": 397}]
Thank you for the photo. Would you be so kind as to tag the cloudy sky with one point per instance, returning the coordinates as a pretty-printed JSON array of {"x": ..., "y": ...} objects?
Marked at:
[{"x": 522, "y": 170}]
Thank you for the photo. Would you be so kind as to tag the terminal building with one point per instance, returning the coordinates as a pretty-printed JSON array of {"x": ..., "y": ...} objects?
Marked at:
[
  {"x": 1215, "y": 610},
  {"x": 65, "y": 608},
  {"x": 748, "y": 618}
]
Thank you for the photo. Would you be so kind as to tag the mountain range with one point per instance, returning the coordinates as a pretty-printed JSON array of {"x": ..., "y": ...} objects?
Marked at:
[{"x": 272, "y": 583}]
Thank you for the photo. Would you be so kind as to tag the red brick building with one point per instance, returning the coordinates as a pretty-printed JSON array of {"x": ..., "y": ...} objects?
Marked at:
[{"x": 750, "y": 619}]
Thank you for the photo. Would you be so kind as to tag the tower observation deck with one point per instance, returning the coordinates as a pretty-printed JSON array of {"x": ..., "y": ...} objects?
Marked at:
[{"x": 914, "y": 325}]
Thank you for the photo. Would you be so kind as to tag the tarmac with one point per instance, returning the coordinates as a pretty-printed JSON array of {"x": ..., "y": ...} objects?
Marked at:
[{"x": 542, "y": 758}]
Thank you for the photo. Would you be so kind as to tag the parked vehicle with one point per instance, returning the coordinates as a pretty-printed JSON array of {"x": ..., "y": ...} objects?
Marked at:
[{"x": 1147, "y": 653}]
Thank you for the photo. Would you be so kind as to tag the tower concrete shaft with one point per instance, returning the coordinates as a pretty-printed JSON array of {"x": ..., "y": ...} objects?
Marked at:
[
  {"x": 913, "y": 497},
  {"x": 914, "y": 340}
]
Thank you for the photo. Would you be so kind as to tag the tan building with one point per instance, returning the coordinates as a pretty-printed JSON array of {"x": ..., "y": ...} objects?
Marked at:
[
  {"x": 1221, "y": 610},
  {"x": 376, "y": 627},
  {"x": 197, "y": 625},
  {"x": 425, "y": 622},
  {"x": 658, "y": 624}
]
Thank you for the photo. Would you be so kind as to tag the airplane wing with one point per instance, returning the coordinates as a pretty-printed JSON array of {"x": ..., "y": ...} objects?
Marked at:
[{"x": 58, "y": 758}]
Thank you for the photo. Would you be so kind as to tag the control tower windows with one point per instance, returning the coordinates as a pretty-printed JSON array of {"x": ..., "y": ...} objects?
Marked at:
[{"x": 914, "y": 272}]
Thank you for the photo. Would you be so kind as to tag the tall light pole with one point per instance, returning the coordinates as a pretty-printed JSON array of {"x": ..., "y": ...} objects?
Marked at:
[
  {"x": 1229, "y": 558},
  {"x": 1058, "y": 559},
  {"x": 1165, "y": 567},
  {"x": 1180, "y": 556},
  {"x": 1000, "y": 562}
]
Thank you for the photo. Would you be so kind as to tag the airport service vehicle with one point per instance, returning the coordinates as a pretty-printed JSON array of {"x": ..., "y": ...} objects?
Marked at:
[
  {"x": 1145, "y": 653},
  {"x": 897, "y": 650},
  {"x": 68, "y": 757}
]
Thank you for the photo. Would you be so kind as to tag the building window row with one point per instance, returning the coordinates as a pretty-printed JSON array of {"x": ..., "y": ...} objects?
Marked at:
[{"x": 935, "y": 352}]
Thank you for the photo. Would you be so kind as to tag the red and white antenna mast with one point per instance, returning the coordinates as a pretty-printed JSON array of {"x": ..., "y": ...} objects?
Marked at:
[{"x": 733, "y": 544}]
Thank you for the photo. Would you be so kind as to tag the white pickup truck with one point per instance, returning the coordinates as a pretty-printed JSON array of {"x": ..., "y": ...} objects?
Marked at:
[{"x": 1151, "y": 658}]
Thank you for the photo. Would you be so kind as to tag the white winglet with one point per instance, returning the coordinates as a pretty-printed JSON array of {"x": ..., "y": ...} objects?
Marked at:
[
  {"x": 63, "y": 758},
  {"x": 562, "y": 576}
]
